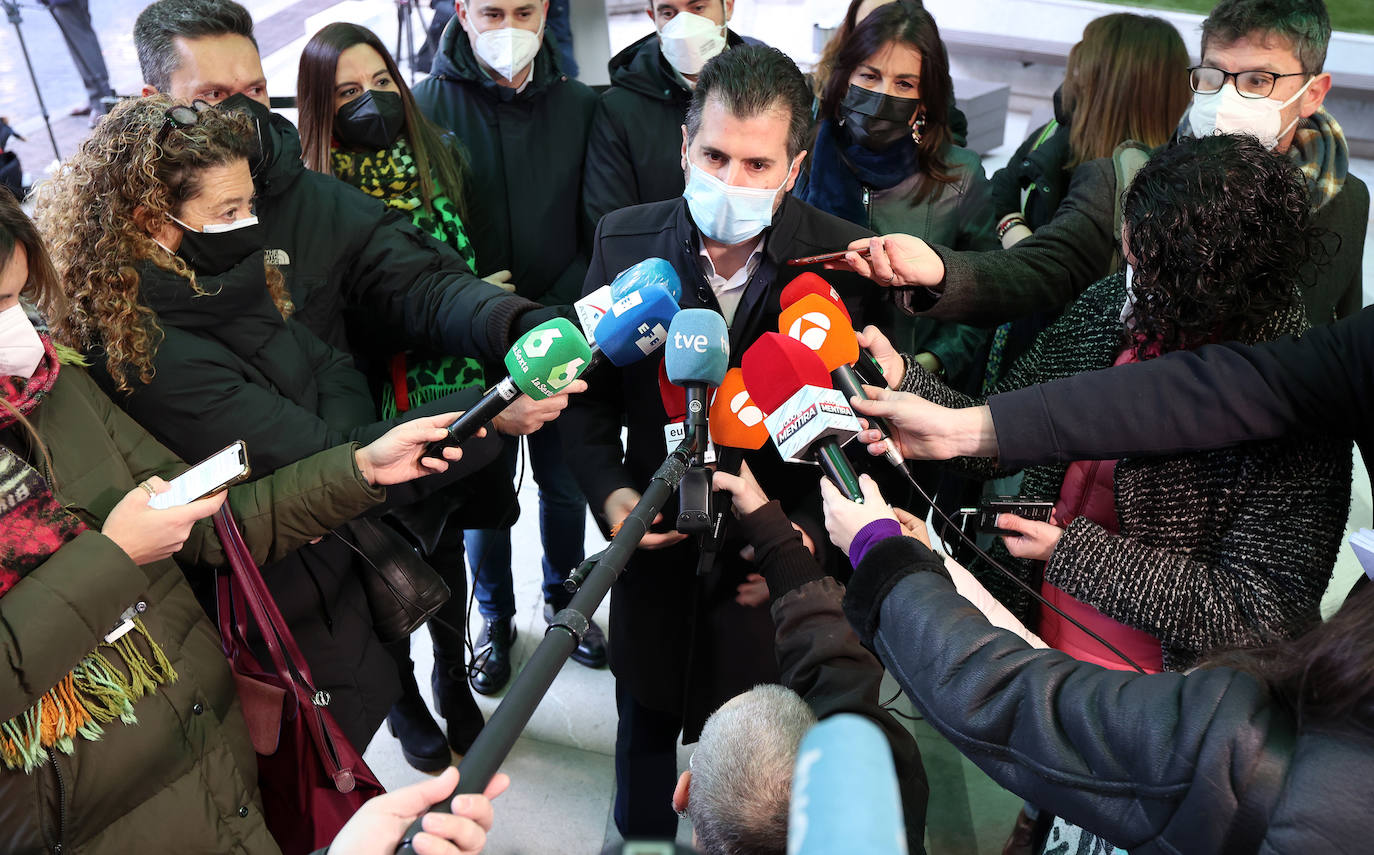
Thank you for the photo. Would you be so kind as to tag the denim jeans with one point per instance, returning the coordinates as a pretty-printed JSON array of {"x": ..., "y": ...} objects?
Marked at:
[{"x": 562, "y": 530}]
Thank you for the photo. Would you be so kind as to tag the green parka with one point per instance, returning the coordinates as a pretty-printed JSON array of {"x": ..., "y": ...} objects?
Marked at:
[{"x": 184, "y": 778}]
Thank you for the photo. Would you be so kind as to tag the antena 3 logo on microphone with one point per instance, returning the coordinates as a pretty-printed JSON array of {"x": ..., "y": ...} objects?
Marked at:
[
  {"x": 545, "y": 360},
  {"x": 810, "y": 414}
]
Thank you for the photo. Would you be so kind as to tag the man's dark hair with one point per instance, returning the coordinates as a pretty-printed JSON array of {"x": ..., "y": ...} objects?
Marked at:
[
  {"x": 166, "y": 20},
  {"x": 1304, "y": 24},
  {"x": 753, "y": 79}
]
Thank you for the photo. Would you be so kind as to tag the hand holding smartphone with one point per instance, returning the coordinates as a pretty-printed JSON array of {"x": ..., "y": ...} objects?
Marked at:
[{"x": 219, "y": 471}]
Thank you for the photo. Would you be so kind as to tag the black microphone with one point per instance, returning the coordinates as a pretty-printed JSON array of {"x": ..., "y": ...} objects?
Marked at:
[{"x": 695, "y": 357}]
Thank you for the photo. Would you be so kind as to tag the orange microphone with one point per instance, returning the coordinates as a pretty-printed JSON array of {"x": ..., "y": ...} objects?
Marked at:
[
  {"x": 822, "y": 326},
  {"x": 736, "y": 422}
]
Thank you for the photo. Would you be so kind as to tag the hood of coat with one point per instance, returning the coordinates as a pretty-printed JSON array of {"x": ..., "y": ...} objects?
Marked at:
[
  {"x": 456, "y": 61},
  {"x": 642, "y": 69},
  {"x": 282, "y": 147},
  {"x": 236, "y": 310}
]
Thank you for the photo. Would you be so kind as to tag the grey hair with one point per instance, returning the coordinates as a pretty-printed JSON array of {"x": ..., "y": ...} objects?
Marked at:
[
  {"x": 1304, "y": 24},
  {"x": 161, "y": 23},
  {"x": 742, "y": 772},
  {"x": 753, "y": 79}
]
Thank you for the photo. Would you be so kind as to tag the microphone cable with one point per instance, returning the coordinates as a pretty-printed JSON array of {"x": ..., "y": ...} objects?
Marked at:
[{"x": 992, "y": 562}]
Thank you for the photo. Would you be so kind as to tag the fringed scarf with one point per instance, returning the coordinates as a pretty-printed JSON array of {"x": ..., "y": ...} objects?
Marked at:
[{"x": 32, "y": 527}]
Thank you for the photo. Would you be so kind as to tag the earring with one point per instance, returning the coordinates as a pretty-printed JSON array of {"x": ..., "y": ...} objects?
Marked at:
[{"x": 916, "y": 128}]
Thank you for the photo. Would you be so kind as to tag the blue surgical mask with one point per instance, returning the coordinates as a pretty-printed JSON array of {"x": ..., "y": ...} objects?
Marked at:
[{"x": 725, "y": 213}]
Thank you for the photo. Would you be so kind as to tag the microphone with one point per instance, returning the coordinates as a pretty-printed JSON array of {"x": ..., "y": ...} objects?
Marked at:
[
  {"x": 809, "y": 283},
  {"x": 674, "y": 398},
  {"x": 696, "y": 357},
  {"x": 806, "y": 418},
  {"x": 541, "y": 363},
  {"x": 737, "y": 426},
  {"x": 650, "y": 271},
  {"x": 636, "y": 325},
  {"x": 845, "y": 796},
  {"x": 816, "y": 323}
]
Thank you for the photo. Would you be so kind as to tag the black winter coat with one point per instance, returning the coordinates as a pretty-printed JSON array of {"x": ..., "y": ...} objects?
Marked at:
[
  {"x": 526, "y": 151},
  {"x": 729, "y": 646},
  {"x": 1075, "y": 249},
  {"x": 363, "y": 278},
  {"x": 1041, "y": 171},
  {"x": 635, "y": 152},
  {"x": 230, "y": 368},
  {"x": 1158, "y": 765}
]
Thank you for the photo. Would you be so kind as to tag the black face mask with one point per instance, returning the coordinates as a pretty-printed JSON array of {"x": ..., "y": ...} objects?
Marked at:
[
  {"x": 262, "y": 123},
  {"x": 874, "y": 120},
  {"x": 216, "y": 253},
  {"x": 372, "y": 121}
]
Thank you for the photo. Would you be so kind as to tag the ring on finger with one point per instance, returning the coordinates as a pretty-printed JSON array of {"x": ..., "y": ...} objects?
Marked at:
[{"x": 148, "y": 487}]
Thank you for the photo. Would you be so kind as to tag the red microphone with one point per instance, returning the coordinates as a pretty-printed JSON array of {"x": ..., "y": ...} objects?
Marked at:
[
  {"x": 811, "y": 283},
  {"x": 806, "y": 418},
  {"x": 820, "y": 325},
  {"x": 674, "y": 397}
]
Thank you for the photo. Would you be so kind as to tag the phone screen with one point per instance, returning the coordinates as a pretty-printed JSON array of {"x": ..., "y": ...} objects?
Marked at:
[{"x": 211, "y": 474}]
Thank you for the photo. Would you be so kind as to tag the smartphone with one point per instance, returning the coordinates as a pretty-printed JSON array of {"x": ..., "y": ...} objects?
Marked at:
[
  {"x": 823, "y": 258},
  {"x": 219, "y": 471},
  {"x": 988, "y": 509}
]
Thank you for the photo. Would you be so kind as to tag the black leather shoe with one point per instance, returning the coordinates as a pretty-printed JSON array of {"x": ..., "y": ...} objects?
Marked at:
[
  {"x": 591, "y": 650},
  {"x": 462, "y": 717},
  {"x": 493, "y": 661},
  {"x": 422, "y": 742}
]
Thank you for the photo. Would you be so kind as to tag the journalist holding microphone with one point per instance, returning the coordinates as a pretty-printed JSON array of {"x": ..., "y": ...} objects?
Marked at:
[{"x": 137, "y": 742}]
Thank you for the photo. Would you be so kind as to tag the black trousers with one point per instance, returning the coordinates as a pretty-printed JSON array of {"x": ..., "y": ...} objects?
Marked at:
[
  {"x": 645, "y": 769},
  {"x": 74, "y": 20}
]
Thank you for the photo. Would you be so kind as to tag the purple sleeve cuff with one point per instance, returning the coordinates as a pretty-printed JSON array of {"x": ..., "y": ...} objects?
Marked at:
[{"x": 869, "y": 535}]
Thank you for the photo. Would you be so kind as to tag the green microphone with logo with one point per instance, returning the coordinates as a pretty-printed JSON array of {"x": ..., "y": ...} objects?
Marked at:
[{"x": 542, "y": 363}]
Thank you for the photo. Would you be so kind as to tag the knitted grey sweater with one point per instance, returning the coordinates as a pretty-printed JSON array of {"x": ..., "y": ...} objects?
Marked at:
[{"x": 1216, "y": 549}]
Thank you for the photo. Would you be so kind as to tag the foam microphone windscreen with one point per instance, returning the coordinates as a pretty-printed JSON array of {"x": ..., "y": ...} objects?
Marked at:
[
  {"x": 820, "y": 325},
  {"x": 776, "y": 366},
  {"x": 735, "y": 420},
  {"x": 811, "y": 283},
  {"x": 698, "y": 348},
  {"x": 650, "y": 271},
  {"x": 845, "y": 795},
  {"x": 674, "y": 397},
  {"x": 636, "y": 325}
]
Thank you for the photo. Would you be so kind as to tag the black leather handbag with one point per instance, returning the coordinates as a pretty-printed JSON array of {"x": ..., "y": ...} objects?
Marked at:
[{"x": 403, "y": 591}]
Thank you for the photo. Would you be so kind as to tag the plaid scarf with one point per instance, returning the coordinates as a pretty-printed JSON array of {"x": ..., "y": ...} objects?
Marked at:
[
  {"x": 32, "y": 527},
  {"x": 1321, "y": 153}
]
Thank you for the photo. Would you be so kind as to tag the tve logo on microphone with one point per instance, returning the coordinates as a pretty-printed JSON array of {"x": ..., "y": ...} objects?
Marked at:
[{"x": 698, "y": 342}]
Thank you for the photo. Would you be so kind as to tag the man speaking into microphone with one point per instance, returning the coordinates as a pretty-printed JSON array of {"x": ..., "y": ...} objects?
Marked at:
[{"x": 680, "y": 644}]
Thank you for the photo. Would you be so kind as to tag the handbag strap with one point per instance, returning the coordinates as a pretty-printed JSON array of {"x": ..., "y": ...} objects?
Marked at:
[{"x": 246, "y": 579}]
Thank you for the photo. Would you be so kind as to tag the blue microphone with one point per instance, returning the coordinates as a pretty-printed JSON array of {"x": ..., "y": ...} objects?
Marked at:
[
  {"x": 844, "y": 792},
  {"x": 636, "y": 325},
  {"x": 696, "y": 358},
  {"x": 650, "y": 271}
]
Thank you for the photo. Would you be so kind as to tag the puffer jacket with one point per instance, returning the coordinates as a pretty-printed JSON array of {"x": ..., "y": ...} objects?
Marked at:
[
  {"x": 634, "y": 155},
  {"x": 1158, "y": 764},
  {"x": 1217, "y": 549},
  {"x": 363, "y": 278},
  {"x": 525, "y": 150},
  {"x": 184, "y": 778}
]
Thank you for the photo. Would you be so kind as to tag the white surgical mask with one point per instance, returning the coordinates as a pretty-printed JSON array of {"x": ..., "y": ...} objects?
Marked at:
[
  {"x": 1128, "y": 309},
  {"x": 725, "y": 213},
  {"x": 1226, "y": 111},
  {"x": 690, "y": 41},
  {"x": 509, "y": 49},
  {"x": 20, "y": 347}
]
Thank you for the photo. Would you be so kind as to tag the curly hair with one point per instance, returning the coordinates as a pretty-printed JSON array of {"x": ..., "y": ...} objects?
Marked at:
[
  {"x": 1220, "y": 229},
  {"x": 136, "y": 167}
]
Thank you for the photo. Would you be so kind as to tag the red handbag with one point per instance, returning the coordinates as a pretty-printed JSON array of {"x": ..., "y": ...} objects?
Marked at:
[{"x": 312, "y": 780}]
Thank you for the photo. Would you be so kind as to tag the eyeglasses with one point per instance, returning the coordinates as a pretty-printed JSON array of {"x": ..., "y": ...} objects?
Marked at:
[
  {"x": 180, "y": 117},
  {"x": 1206, "y": 80}
]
